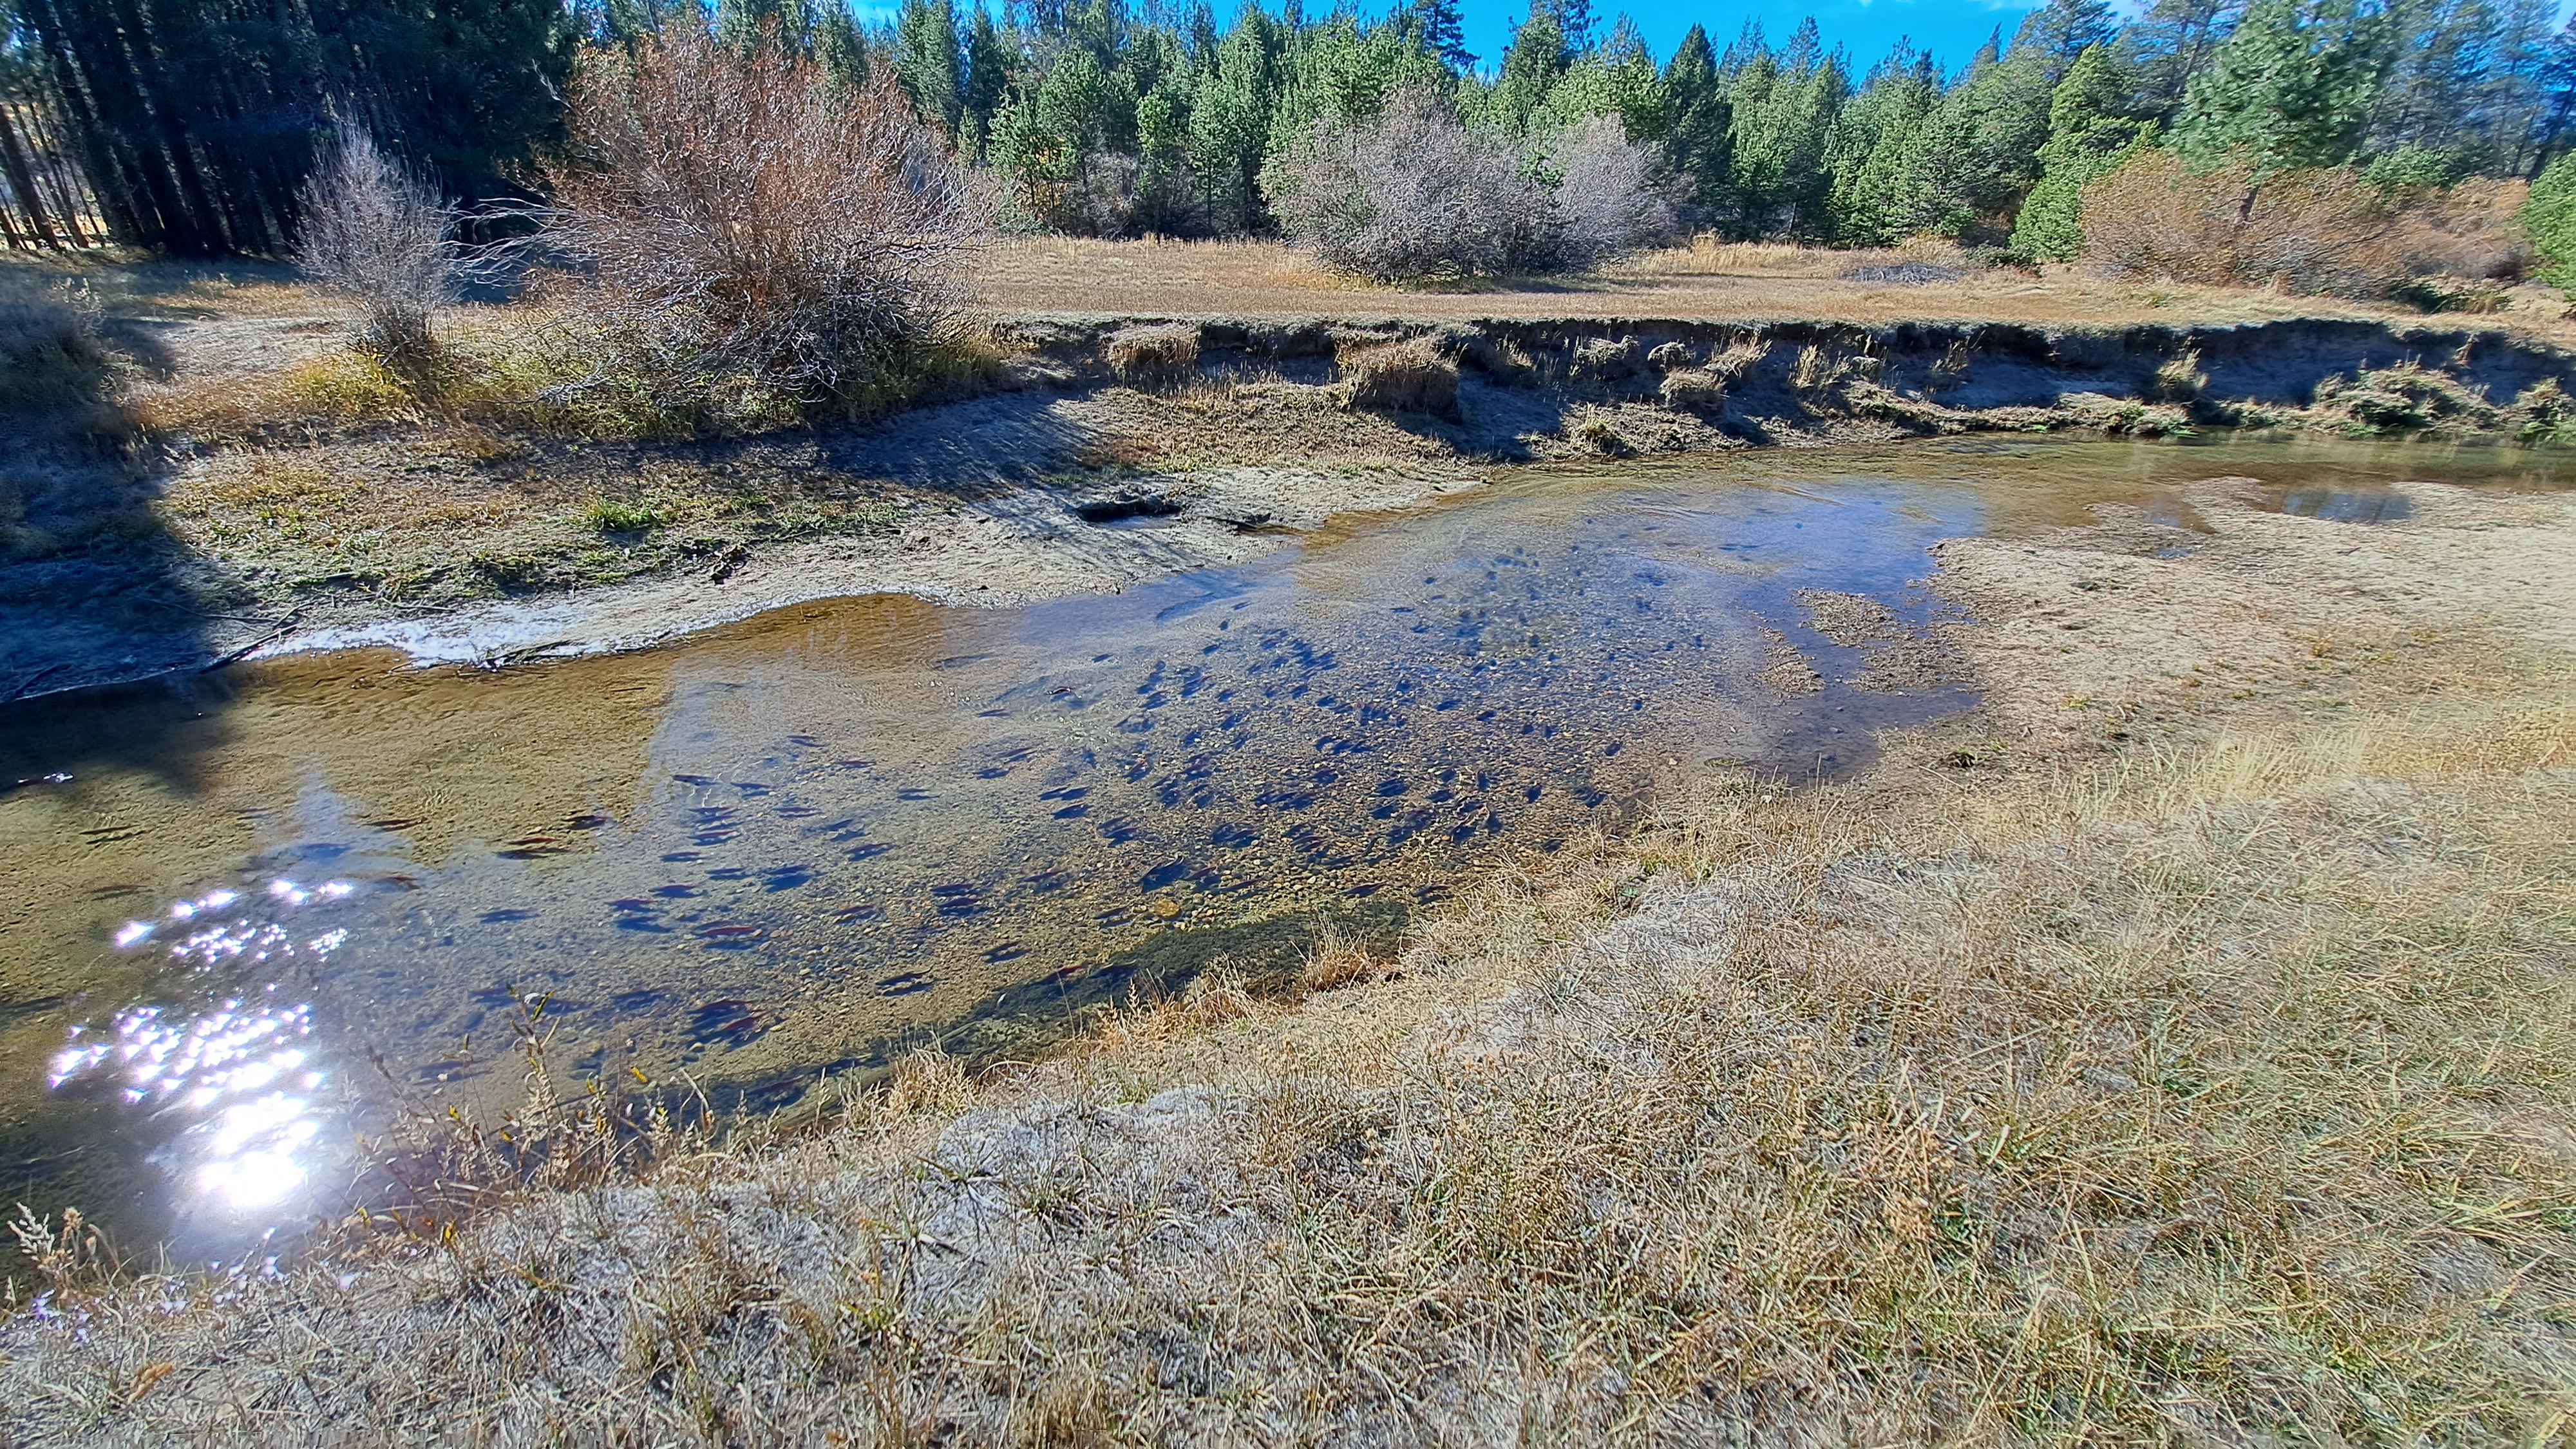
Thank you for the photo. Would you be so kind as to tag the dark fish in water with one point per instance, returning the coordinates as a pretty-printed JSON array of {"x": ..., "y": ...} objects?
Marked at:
[{"x": 693, "y": 779}]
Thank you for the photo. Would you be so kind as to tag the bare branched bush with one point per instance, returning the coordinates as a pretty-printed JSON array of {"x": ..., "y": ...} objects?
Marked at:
[
  {"x": 757, "y": 237},
  {"x": 2468, "y": 230},
  {"x": 378, "y": 234},
  {"x": 2329, "y": 231},
  {"x": 1410, "y": 193},
  {"x": 1607, "y": 198}
]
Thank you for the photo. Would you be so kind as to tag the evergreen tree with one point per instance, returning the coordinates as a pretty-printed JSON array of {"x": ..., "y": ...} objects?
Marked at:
[
  {"x": 2061, "y": 30},
  {"x": 2549, "y": 217},
  {"x": 1537, "y": 60},
  {"x": 1618, "y": 79},
  {"x": 1229, "y": 126},
  {"x": 2088, "y": 136},
  {"x": 1087, "y": 107},
  {"x": 197, "y": 120},
  {"x": 990, "y": 63},
  {"x": 1781, "y": 112},
  {"x": 841, "y": 48},
  {"x": 1437, "y": 27},
  {"x": 1880, "y": 145},
  {"x": 1695, "y": 148},
  {"x": 2293, "y": 87},
  {"x": 1574, "y": 23},
  {"x": 927, "y": 60},
  {"x": 2463, "y": 89},
  {"x": 2171, "y": 44}
]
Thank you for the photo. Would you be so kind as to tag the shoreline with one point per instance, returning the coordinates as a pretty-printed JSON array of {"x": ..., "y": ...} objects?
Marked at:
[
  {"x": 1762, "y": 1034},
  {"x": 1080, "y": 468}
]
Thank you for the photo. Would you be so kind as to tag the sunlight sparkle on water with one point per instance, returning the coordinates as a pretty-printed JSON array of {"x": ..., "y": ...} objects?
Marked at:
[{"x": 238, "y": 1072}]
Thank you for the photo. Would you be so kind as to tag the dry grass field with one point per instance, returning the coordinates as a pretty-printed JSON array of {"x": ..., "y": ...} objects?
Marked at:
[
  {"x": 1705, "y": 282},
  {"x": 2176, "y": 1049}
]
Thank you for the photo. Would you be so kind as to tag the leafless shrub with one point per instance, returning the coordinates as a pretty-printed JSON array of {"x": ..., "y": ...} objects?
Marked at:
[
  {"x": 1607, "y": 198},
  {"x": 1670, "y": 356},
  {"x": 376, "y": 233},
  {"x": 1154, "y": 354},
  {"x": 1403, "y": 377},
  {"x": 1411, "y": 193},
  {"x": 2326, "y": 231},
  {"x": 2467, "y": 230},
  {"x": 753, "y": 231}
]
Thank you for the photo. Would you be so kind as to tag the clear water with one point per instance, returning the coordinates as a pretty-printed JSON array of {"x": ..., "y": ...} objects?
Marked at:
[{"x": 250, "y": 915}]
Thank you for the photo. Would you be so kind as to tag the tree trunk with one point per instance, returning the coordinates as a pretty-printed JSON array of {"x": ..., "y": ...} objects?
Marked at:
[{"x": 22, "y": 179}]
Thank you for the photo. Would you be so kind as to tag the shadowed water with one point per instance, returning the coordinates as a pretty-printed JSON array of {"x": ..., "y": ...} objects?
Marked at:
[{"x": 251, "y": 912}]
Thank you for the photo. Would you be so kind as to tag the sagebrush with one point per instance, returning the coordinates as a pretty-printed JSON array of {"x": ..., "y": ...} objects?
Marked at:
[
  {"x": 372, "y": 230},
  {"x": 755, "y": 235}
]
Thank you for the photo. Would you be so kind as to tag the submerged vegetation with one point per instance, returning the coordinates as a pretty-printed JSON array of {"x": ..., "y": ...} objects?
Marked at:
[{"x": 2175, "y": 1047}]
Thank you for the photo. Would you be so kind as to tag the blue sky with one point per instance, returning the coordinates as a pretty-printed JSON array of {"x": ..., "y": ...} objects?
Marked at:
[{"x": 1950, "y": 29}]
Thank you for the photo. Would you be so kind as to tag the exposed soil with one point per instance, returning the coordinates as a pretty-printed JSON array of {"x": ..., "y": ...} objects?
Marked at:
[{"x": 134, "y": 555}]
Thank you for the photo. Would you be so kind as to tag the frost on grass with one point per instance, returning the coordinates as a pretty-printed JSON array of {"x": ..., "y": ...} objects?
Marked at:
[{"x": 2213, "y": 1089}]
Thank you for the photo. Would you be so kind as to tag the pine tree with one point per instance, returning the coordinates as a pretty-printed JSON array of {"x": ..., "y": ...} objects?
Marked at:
[
  {"x": 990, "y": 63},
  {"x": 1537, "y": 60},
  {"x": 927, "y": 60},
  {"x": 1879, "y": 147},
  {"x": 1574, "y": 22},
  {"x": 1436, "y": 26},
  {"x": 1695, "y": 148},
  {"x": 1230, "y": 135},
  {"x": 2292, "y": 87},
  {"x": 197, "y": 120},
  {"x": 2088, "y": 136},
  {"x": 2061, "y": 30},
  {"x": 1781, "y": 112},
  {"x": 1616, "y": 80},
  {"x": 2170, "y": 45}
]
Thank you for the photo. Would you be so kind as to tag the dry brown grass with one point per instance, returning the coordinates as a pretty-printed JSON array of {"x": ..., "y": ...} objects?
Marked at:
[
  {"x": 1402, "y": 377},
  {"x": 1749, "y": 282},
  {"x": 2211, "y": 1089},
  {"x": 1154, "y": 354}
]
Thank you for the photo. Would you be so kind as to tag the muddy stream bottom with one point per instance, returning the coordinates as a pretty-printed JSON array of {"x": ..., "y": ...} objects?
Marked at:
[{"x": 251, "y": 916}]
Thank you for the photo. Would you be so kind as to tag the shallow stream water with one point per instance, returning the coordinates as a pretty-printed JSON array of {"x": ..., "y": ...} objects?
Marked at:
[{"x": 247, "y": 913}]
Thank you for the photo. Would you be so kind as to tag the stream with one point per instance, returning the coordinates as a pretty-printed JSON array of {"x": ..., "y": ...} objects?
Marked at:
[{"x": 252, "y": 913}]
